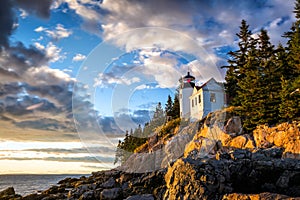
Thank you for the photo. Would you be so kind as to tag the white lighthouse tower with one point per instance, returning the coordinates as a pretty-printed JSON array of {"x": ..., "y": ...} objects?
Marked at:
[{"x": 187, "y": 84}]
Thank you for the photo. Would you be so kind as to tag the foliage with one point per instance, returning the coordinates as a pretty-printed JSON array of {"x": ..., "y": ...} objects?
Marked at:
[
  {"x": 137, "y": 139},
  {"x": 263, "y": 81},
  {"x": 168, "y": 127},
  {"x": 237, "y": 61}
]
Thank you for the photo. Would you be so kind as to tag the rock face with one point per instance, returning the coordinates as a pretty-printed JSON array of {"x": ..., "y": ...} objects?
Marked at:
[
  {"x": 265, "y": 195},
  {"x": 214, "y": 162},
  {"x": 284, "y": 135},
  {"x": 159, "y": 154},
  {"x": 239, "y": 171}
]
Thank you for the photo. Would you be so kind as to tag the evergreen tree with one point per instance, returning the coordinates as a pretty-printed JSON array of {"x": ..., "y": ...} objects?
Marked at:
[
  {"x": 237, "y": 61},
  {"x": 176, "y": 107},
  {"x": 270, "y": 83},
  {"x": 158, "y": 116},
  {"x": 290, "y": 100},
  {"x": 169, "y": 106},
  {"x": 249, "y": 88},
  {"x": 294, "y": 41},
  {"x": 289, "y": 108}
]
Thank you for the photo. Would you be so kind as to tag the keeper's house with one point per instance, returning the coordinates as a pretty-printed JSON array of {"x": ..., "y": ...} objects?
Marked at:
[{"x": 197, "y": 101}]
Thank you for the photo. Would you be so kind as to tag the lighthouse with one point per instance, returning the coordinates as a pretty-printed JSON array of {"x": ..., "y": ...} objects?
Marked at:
[{"x": 187, "y": 84}]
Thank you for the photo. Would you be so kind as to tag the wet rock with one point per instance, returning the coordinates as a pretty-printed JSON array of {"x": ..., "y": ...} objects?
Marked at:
[
  {"x": 54, "y": 190},
  {"x": 111, "y": 194},
  {"x": 7, "y": 192},
  {"x": 109, "y": 183},
  {"x": 89, "y": 195},
  {"x": 141, "y": 197},
  {"x": 262, "y": 196}
]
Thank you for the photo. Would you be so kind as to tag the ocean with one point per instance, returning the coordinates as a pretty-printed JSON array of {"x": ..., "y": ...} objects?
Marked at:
[{"x": 27, "y": 184}]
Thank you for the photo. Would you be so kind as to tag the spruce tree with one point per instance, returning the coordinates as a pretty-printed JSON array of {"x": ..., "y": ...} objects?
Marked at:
[
  {"x": 289, "y": 108},
  {"x": 249, "y": 88},
  {"x": 270, "y": 83},
  {"x": 176, "y": 107},
  {"x": 169, "y": 106},
  {"x": 237, "y": 62}
]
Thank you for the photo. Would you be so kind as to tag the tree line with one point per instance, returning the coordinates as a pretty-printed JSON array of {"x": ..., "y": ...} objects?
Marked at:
[
  {"x": 139, "y": 136},
  {"x": 262, "y": 81}
]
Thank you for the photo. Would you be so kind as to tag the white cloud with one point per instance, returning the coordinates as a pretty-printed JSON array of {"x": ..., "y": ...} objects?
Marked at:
[
  {"x": 39, "y": 46},
  {"x": 146, "y": 87},
  {"x": 46, "y": 75},
  {"x": 78, "y": 57},
  {"x": 23, "y": 13},
  {"x": 52, "y": 52},
  {"x": 87, "y": 9},
  {"x": 58, "y": 33},
  {"x": 105, "y": 80},
  {"x": 39, "y": 29}
]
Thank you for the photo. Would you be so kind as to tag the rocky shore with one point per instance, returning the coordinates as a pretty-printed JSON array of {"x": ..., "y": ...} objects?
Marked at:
[{"x": 217, "y": 162}]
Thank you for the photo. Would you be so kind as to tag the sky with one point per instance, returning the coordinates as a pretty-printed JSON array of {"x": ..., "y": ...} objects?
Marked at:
[{"x": 76, "y": 74}]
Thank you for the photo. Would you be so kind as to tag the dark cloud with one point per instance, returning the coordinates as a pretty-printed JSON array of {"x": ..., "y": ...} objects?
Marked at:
[
  {"x": 8, "y": 18},
  {"x": 38, "y": 7},
  {"x": 6, "y": 21},
  {"x": 15, "y": 59}
]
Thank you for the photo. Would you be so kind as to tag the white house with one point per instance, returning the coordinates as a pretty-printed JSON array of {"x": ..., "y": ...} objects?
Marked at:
[{"x": 197, "y": 101}]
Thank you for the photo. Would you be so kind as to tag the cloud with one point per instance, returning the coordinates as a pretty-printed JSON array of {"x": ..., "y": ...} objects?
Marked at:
[
  {"x": 109, "y": 79},
  {"x": 23, "y": 14},
  {"x": 210, "y": 24},
  {"x": 51, "y": 51},
  {"x": 78, "y": 57},
  {"x": 6, "y": 22},
  {"x": 58, "y": 33},
  {"x": 40, "y": 29},
  {"x": 26, "y": 81},
  {"x": 40, "y": 8},
  {"x": 146, "y": 87},
  {"x": 46, "y": 75},
  {"x": 89, "y": 10}
]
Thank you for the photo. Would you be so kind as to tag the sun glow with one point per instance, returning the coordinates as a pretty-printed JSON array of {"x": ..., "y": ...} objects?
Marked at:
[{"x": 26, "y": 157}]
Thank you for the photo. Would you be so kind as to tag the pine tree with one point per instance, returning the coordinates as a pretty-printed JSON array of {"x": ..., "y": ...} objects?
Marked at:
[
  {"x": 249, "y": 88},
  {"x": 290, "y": 100},
  {"x": 176, "y": 107},
  {"x": 169, "y": 106},
  {"x": 289, "y": 108},
  {"x": 294, "y": 40},
  {"x": 237, "y": 62},
  {"x": 270, "y": 83}
]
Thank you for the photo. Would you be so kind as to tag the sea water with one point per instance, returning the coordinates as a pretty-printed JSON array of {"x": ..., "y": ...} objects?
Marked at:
[{"x": 27, "y": 184}]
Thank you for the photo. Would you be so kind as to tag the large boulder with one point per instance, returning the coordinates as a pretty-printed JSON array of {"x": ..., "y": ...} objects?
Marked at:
[
  {"x": 8, "y": 193},
  {"x": 111, "y": 194},
  {"x": 141, "y": 197}
]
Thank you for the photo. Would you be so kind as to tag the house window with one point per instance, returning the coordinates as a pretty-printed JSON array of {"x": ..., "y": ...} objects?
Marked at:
[
  {"x": 195, "y": 101},
  {"x": 212, "y": 97},
  {"x": 199, "y": 98},
  {"x": 192, "y": 102}
]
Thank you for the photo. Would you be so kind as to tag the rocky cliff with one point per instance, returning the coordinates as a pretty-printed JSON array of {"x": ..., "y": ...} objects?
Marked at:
[{"x": 210, "y": 159}]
